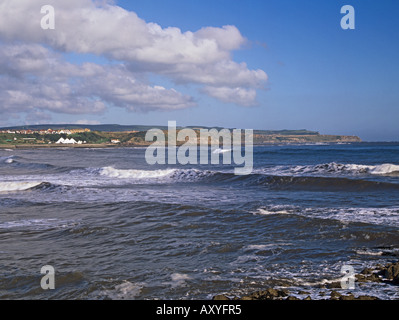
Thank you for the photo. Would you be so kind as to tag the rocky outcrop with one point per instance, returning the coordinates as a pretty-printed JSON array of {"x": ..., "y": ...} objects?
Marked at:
[
  {"x": 387, "y": 274},
  {"x": 391, "y": 272},
  {"x": 268, "y": 294},
  {"x": 273, "y": 294}
]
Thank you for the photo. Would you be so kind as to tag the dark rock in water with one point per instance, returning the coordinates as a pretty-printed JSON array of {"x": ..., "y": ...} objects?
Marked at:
[
  {"x": 335, "y": 295},
  {"x": 303, "y": 292},
  {"x": 273, "y": 294},
  {"x": 388, "y": 274},
  {"x": 350, "y": 296},
  {"x": 367, "y": 298},
  {"x": 368, "y": 277},
  {"x": 367, "y": 271},
  {"x": 221, "y": 297},
  {"x": 391, "y": 272},
  {"x": 291, "y": 298},
  {"x": 268, "y": 294},
  {"x": 338, "y": 296},
  {"x": 334, "y": 285}
]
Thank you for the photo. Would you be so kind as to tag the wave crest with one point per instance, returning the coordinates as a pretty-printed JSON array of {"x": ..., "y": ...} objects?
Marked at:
[
  {"x": 12, "y": 186},
  {"x": 334, "y": 168},
  {"x": 385, "y": 168},
  {"x": 172, "y": 175},
  {"x": 134, "y": 174},
  {"x": 8, "y": 160}
]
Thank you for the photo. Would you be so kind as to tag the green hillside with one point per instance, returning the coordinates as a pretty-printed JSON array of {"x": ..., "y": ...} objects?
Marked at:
[{"x": 135, "y": 135}]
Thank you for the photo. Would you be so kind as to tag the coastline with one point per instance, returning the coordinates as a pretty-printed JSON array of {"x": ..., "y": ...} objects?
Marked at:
[
  {"x": 56, "y": 146},
  {"x": 129, "y": 145}
]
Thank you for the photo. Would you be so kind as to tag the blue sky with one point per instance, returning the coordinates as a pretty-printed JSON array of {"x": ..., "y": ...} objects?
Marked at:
[{"x": 319, "y": 76}]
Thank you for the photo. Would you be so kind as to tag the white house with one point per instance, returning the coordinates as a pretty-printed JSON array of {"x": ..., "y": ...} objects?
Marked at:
[
  {"x": 70, "y": 141},
  {"x": 64, "y": 132},
  {"x": 67, "y": 141}
]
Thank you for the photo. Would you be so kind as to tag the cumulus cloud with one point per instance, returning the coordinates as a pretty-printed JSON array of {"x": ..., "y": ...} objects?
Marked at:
[
  {"x": 244, "y": 97},
  {"x": 34, "y": 75},
  {"x": 223, "y": 73},
  {"x": 36, "y": 78},
  {"x": 84, "y": 27}
]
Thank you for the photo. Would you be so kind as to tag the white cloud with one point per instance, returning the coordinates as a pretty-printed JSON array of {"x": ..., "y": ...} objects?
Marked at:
[
  {"x": 35, "y": 78},
  {"x": 244, "y": 97},
  {"x": 102, "y": 28},
  {"x": 109, "y": 30},
  {"x": 223, "y": 73}
]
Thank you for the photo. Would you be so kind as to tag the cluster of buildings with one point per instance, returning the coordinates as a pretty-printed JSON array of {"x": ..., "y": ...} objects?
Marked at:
[
  {"x": 69, "y": 141},
  {"x": 48, "y": 131}
]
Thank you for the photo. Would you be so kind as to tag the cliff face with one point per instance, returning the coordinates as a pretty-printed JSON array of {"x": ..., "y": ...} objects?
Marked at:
[
  {"x": 318, "y": 138},
  {"x": 260, "y": 138}
]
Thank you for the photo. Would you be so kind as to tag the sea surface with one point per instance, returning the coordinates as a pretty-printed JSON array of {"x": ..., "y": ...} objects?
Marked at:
[{"x": 114, "y": 227}]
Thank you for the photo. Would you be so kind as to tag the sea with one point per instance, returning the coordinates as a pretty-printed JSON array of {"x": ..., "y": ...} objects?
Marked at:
[{"x": 114, "y": 227}]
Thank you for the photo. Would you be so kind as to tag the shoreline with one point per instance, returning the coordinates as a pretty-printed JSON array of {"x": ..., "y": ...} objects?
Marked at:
[
  {"x": 57, "y": 146},
  {"x": 121, "y": 145}
]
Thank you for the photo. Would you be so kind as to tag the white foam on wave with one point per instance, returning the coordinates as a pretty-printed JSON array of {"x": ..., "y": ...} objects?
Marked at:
[
  {"x": 266, "y": 212},
  {"x": 12, "y": 186},
  {"x": 9, "y": 159},
  {"x": 260, "y": 246},
  {"x": 385, "y": 168},
  {"x": 185, "y": 175},
  {"x": 135, "y": 174},
  {"x": 124, "y": 291},
  {"x": 275, "y": 210},
  {"x": 265, "y": 247},
  {"x": 377, "y": 216},
  {"x": 106, "y": 176},
  {"x": 369, "y": 252},
  {"x": 178, "y": 280},
  {"x": 192, "y": 174},
  {"x": 333, "y": 168},
  {"x": 38, "y": 224}
]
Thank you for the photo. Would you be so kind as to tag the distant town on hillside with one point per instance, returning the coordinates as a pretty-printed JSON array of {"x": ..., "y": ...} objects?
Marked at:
[{"x": 130, "y": 135}]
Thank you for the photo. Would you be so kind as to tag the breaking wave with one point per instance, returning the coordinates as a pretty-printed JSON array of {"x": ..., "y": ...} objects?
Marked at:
[
  {"x": 23, "y": 165},
  {"x": 166, "y": 175},
  {"x": 293, "y": 178},
  {"x": 384, "y": 169},
  {"x": 7, "y": 160},
  {"x": 37, "y": 224},
  {"x": 134, "y": 174},
  {"x": 334, "y": 168},
  {"x": 12, "y": 186},
  {"x": 283, "y": 182},
  {"x": 376, "y": 216}
]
